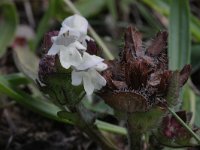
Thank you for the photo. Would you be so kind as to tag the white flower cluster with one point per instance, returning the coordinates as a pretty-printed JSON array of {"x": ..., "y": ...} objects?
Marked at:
[{"x": 71, "y": 45}]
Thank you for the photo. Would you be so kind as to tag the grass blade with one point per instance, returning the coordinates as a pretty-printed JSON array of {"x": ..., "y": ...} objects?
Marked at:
[
  {"x": 162, "y": 6},
  {"x": 42, "y": 107},
  {"x": 17, "y": 79},
  {"x": 179, "y": 34}
]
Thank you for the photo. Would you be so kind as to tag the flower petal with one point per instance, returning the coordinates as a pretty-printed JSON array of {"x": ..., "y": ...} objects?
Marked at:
[
  {"x": 54, "y": 49},
  {"x": 70, "y": 56},
  {"x": 53, "y": 38},
  {"x": 83, "y": 38},
  {"x": 101, "y": 67},
  {"x": 76, "y": 78},
  {"x": 98, "y": 80},
  {"x": 79, "y": 46},
  {"x": 76, "y": 22},
  {"x": 64, "y": 39},
  {"x": 87, "y": 83},
  {"x": 89, "y": 61}
]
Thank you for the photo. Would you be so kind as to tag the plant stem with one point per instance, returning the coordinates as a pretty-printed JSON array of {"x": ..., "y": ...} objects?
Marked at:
[
  {"x": 134, "y": 140},
  {"x": 134, "y": 134},
  {"x": 95, "y": 135},
  {"x": 86, "y": 124},
  {"x": 92, "y": 31},
  {"x": 104, "y": 126},
  {"x": 184, "y": 124}
]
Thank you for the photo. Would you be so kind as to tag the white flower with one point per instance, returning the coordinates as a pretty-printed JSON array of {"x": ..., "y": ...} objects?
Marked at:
[
  {"x": 74, "y": 28},
  {"x": 70, "y": 45},
  {"x": 87, "y": 72}
]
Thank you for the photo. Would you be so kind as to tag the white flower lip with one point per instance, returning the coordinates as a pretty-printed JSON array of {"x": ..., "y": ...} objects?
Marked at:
[
  {"x": 70, "y": 45},
  {"x": 89, "y": 61},
  {"x": 91, "y": 80}
]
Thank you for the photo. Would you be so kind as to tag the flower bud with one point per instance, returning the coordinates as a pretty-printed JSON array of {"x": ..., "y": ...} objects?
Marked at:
[
  {"x": 92, "y": 47},
  {"x": 47, "y": 67},
  {"x": 172, "y": 133}
]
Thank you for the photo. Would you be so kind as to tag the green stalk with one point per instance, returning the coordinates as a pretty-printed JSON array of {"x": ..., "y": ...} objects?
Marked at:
[
  {"x": 136, "y": 130},
  {"x": 184, "y": 124},
  {"x": 92, "y": 32},
  {"x": 86, "y": 124},
  {"x": 104, "y": 126},
  {"x": 134, "y": 138},
  {"x": 139, "y": 124}
]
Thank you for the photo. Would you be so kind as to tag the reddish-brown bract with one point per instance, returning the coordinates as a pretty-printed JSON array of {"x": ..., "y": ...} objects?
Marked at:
[{"x": 140, "y": 78}]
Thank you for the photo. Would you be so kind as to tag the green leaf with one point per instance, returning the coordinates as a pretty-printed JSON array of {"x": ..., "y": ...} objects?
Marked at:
[
  {"x": 40, "y": 106},
  {"x": 73, "y": 117},
  {"x": 90, "y": 8},
  {"x": 48, "y": 109},
  {"x": 8, "y": 24},
  {"x": 17, "y": 79},
  {"x": 179, "y": 34}
]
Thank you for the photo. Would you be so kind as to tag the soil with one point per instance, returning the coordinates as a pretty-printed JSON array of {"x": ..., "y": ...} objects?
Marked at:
[{"x": 21, "y": 129}]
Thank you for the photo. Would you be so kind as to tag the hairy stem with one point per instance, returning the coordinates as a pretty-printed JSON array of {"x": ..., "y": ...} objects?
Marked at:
[
  {"x": 134, "y": 140},
  {"x": 134, "y": 135}
]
